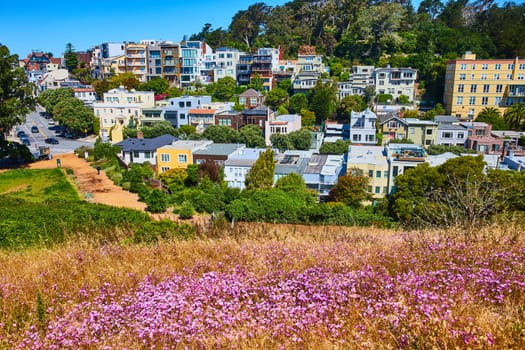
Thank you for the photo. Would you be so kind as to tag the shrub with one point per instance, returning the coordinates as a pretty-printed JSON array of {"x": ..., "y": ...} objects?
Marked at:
[
  {"x": 157, "y": 201},
  {"x": 186, "y": 210}
]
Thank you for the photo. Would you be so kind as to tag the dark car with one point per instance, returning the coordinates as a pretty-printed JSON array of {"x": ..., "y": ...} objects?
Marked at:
[
  {"x": 34, "y": 129},
  {"x": 51, "y": 140},
  {"x": 21, "y": 134},
  {"x": 25, "y": 141}
]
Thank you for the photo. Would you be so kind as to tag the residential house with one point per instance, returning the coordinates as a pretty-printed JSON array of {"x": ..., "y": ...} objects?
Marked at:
[
  {"x": 256, "y": 116},
  {"x": 178, "y": 108},
  {"x": 170, "y": 61},
  {"x": 179, "y": 154},
  {"x": 446, "y": 120},
  {"x": 192, "y": 62},
  {"x": 244, "y": 69},
  {"x": 396, "y": 82},
  {"x": 282, "y": 124},
  {"x": 421, "y": 132},
  {"x": 309, "y": 69},
  {"x": 86, "y": 95},
  {"x": 305, "y": 81},
  {"x": 291, "y": 161},
  {"x": 480, "y": 138},
  {"x": 333, "y": 132},
  {"x": 358, "y": 80},
  {"x": 53, "y": 79},
  {"x": 451, "y": 135},
  {"x": 201, "y": 118},
  {"x": 230, "y": 118},
  {"x": 141, "y": 150},
  {"x": 363, "y": 127},
  {"x": 121, "y": 108},
  {"x": 370, "y": 161},
  {"x": 263, "y": 64},
  {"x": 322, "y": 172},
  {"x": 111, "y": 66},
  {"x": 401, "y": 157},
  {"x": 238, "y": 165},
  {"x": 514, "y": 162},
  {"x": 136, "y": 60},
  {"x": 217, "y": 152},
  {"x": 473, "y": 84},
  {"x": 251, "y": 99},
  {"x": 392, "y": 127}
]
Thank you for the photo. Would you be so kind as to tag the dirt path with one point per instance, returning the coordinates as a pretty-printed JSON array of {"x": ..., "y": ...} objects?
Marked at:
[{"x": 93, "y": 187}]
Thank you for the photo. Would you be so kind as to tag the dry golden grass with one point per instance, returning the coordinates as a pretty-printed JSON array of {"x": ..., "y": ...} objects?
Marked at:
[{"x": 61, "y": 272}]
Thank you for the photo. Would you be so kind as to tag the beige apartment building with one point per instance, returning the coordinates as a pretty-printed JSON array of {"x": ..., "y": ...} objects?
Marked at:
[
  {"x": 473, "y": 84},
  {"x": 136, "y": 60}
]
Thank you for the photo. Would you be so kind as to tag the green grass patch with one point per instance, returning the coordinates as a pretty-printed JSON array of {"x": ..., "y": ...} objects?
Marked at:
[{"x": 37, "y": 185}]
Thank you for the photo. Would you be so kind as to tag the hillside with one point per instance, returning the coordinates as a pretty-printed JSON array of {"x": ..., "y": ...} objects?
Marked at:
[{"x": 270, "y": 287}]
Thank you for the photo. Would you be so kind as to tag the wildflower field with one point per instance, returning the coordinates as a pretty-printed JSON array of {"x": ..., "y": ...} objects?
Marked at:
[{"x": 271, "y": 287}]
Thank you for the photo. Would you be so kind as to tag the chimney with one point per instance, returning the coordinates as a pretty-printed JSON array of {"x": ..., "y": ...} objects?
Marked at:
[{"x": 140, "y": 135}]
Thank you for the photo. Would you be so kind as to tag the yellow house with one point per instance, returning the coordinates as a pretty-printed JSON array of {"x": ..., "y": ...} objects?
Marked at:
[
  {"x": 178, "y": 155},
  {"x": 473, "y": 84},
  {"x": 370, "y": 161}
]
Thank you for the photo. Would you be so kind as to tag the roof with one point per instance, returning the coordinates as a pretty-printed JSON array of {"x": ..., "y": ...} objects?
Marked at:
[
  {"x": 445, "y": 119},
  {"x": 256, "y": 111},
  {"x": 450, "y": 127},
  {"x": 332, "y": 166},
  {"x": 286, "y": 118},
  {"x": 366, "y": 155},
  {"x": 250, "y": 93},
  {"x": 219, "y": 149},
  {"x": 135, "y": 144},
  {"x": 244, "y": 157},
  {"x": 201, "y": 111},
  {"x": 419, "y": 121},
  {"x": 315, "y": 164},
  {"x": 188, "y": 144},
  {"x": 440, "y": 158}
]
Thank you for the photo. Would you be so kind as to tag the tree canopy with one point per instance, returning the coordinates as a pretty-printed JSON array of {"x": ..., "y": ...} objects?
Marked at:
[
  {"x": 16, "y": 93},
  {"x": 260, "y": 175}
]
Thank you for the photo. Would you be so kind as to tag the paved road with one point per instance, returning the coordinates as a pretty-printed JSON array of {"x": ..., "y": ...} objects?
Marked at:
[{"x": 37, "y": 139}]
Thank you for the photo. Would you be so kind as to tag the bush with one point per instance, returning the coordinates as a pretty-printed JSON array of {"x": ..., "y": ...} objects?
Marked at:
[
  {"x": 186, "y": 210},
  {"x": 157, "y": 201},
  {"x": 154, "y": 231}
]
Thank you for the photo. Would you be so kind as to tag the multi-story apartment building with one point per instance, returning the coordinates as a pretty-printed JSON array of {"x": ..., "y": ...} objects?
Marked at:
[
  {"x": 473, "y": 84},
  {"x": 244, "y": 69},
  {"x": 170, "y": 60},
  {"x": 178, "y": 108},
  {"x": 262, "y": 66},
  {"x": 192, "y": 62},
  {"x": 226, "y": 61},
  {"x": 283, "y": 124},
  {"x": 154, "y": 60},
  {"x": 136, "y": 60},
  {"x": 396, "y": 82},
  {"x": 121, "y": 108},
  {"x": 112, "y": 66},
  {"x": 370, "y": 161}
]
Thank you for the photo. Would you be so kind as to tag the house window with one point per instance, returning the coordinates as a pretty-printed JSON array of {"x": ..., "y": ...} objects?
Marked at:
[
  {"x": 472, "y": 100},
  {"x": 378, "y": 189},
  {"x": 462, "y": 76},
  {"x": 484, "y": 66},
  {"x": 497, "y": 101},
  {"x": 164, "y": 169},
  {"x": 411, "y": 131},
  {"x": 147, "y": 154},
  {"x": 486, "y": 88},
  {"x": 356, "y": 137},
  {"x": 496, "y": 76},
  {"x": 484, "y": 100},
  {"x": 385, "y": 173},
  {"x": 370, "y": 173},
  {"x": 378, "y": 173},
  {"x": 428, "y": 142},
  {"x": 165, "y": 158},
  {"x": 385, "y": 189},
  {"x": 181, "y": 104},
  {"x": 182, "y": 116},
  {"x": 395, "y": 170},
  {"x": 459, "y": 100},
  {"x": 472, "y": 77},
  {"x": 510, "y": 66},
  {"x": 136, "y": 154},
  {"x": 509, "y": 76},
  {"x": 253, "y": 100},
  {"x": 520, "y": 76},
  {"x": 429, "y": 131},
  {"x": 188, "y": 103},
  {"x": 370, "y": 138},
  {"x": 499, "y": 88},
  {"x": 497, "y": 66},
  {"x": 183, "y": 158},
  {"x": 447, "y": 135},
  {"x": 242, "y": 100},
  {"x": 461, "y": 135},
  {"x": 480, "y": 132},
  {"x": 461, "y": 87},
  {"x": 463, "y": 66},
  {"x": 473, "y": 88},
  {"x": 473, "y": 66},
  {"x": 483, "y": 77}
]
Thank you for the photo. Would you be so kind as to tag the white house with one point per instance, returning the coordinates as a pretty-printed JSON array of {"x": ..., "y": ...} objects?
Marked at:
[
  {"x": 238, "y": 165},
  {"x": 141, "y": 150},
  {"x": 363, "y": 127},
  {"x": 283, "y": 124}
]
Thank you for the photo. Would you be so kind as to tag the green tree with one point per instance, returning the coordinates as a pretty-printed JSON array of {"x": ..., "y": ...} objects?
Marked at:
[
  {"x": 50, "y": 98},
  {"x": 74, "y": 115},
  {"x": 260, "y": 175},
  {"x": 70, "y": 57},
  {"x": 291, "y": 182},
  {"x": 297, "y": 103},
  {"x": 514, "y": 116},
  {"x": 286, "y": 85},
  {"x": 281, "y": 142},
  {"x": 276, "y": 97},
  {"x": 369, "y": 93},
  {"x": 159, "y": 129},
  {"x": 220, "y": 134},
  {"x": 351, "y": 190},
  {"x": 338, "y": 147},
  {"x": 158, "y": 85},
  {"x": 157, "y": 201},
  {"x": 128, "y": 80},
  {"x": 186, "y": 210},
  {"x": 348, "y": 104},
  {"x": 301, "y": 139},
  {"x": 251, "y": 136},
  {"x": 256, "y": 83},
  {"x": 246, "y": 25},
  {"x": 282, "y": 110},
  {"x": 16, "y": 94},
  {"x": 307, "y": 118},
  {"x": 323, "y": 100},
  {"x": 492, "y": 116},
  {"x": 225, "y": 89}
]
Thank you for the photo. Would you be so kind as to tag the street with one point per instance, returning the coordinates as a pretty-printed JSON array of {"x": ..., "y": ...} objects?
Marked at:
[{"x": 37, "y": 139}]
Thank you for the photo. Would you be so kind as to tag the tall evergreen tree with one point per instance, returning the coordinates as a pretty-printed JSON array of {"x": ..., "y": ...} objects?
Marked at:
[
  {"x": 70, "y": 57},
  {"x": 261, "y": 173}
]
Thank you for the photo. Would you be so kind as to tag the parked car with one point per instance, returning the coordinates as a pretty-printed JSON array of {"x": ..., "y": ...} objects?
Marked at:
[
  {"x": 21, "y": 134},
  {"x": 25, "y": 141},
  {"x": 51, "y": 122},
  {"x": 34, "y": 129},
  {"x": 51, "y": 140}
]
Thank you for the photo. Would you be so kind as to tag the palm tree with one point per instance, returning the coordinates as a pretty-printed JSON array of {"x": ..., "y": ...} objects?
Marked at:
[
  {"x": 515, "y": 116},
  {"x": 489, "y": 113}
]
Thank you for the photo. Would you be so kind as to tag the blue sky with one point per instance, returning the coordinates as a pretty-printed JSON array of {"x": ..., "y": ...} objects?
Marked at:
[{"x": 50, "y": 25}]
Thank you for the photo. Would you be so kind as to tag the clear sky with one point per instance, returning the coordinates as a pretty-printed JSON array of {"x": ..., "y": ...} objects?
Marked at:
[{"x": 49, "y": 25}]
